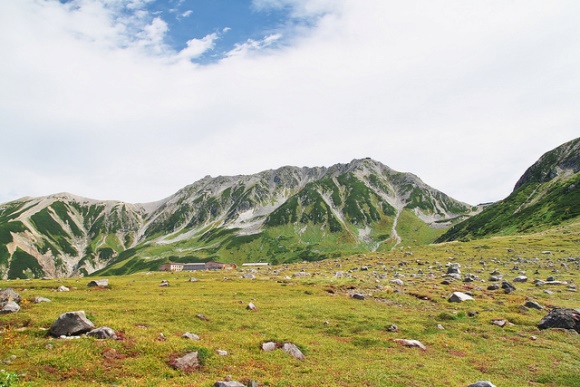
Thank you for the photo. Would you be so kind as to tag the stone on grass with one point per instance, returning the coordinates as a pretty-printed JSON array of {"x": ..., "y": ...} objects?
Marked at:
[
  {"x": 193, "y": 279},
  {"x": 8, "y": 295},
  {"x": 202, "y": 317},
  {"x": 358, "y": 296},
  {"x": 10, "y": 307},
  {"x": 62, "y": 288},
  {"x": 482, "y": 384},
  {"x": 187, "y": 362},
  {"x": 231, "y": 383},
  {"x": 293, "y": 351},
  {"x": 393, "y": 328},
  {"x": 221, "y": 352},
  {"x": 533, "y": 305},
  {"x": 71, "y": 324},
  {"x": 102, "y": 283},
  {"x": 251, "y": 306},
  {"x": 561, "y": 318},
  {"x": 508, "y": 287},
  {"x": 190, "y": 336},
  {"x": 268, "y": 346},
  {"x": 493, "y": 287},
  {"x": 411, "y": 343},
  {"x": 397, "y": 282},
  {"x": 38, "y": 300},
  {"x": 460, "y": 297},
  {"x": 103, "y": 333},
  {"x": 249, "y": 276},
  {"x": 521, "y": 278}
]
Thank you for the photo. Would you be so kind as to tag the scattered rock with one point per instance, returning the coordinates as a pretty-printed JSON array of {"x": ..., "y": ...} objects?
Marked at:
[
  {"x": 493, "y": 287},
  {"x": 293, "y": 351},
  {"x": 202, "y": 317},
  {"x": 190, "y": 336},
  {"x": 164, "y": 283},
  {"x": 460, "y": 297},
  {"x": 268, "y": 346},
  {"x": 508, "y": 287},
  {"x": 38, "y": 300},
  {"x": 62, "y": 288},
  {"x": 71, "y": 324},
  {"x": 482, "y": 384},
  {"x": 533, "y": 305},
  {"x": 397, "y": 282},
  {"x": 102, "y": 283},
  {"x": 521, "y": 278},
  {"x": 411, "y": 343},
  {"x": 8, "y": 295},
  {"x": 251, "y": 306},
  {"x": 561, "y": 318},
  {"x": 231, "y": 383},
  {"x": 10, "y": 307},
  {"x": 103, "y": 333},
  {"x": 249, "y": 276},
  {"x": 222, "y": 352},
  {"x": 358, "y": 296},
  {"x": 186, "y": 363},
  {"x": 393, "y": 328},
  {"x": 440, "y": 327},
  {"x": 500, "y": 322}
]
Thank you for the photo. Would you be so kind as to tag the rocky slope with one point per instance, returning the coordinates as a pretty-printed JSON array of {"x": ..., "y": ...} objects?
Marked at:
[
  {"x": 546, "y": 195},
  {"x": 277, "y": 215}
]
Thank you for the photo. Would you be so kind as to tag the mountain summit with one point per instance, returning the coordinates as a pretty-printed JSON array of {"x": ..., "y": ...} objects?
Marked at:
[
  {"x": 280, "y": 215},
  {"x": 546, "y": 195}
]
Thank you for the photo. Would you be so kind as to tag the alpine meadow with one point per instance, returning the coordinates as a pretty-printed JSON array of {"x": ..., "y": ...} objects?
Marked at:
[{"x": 348, "y": 275}]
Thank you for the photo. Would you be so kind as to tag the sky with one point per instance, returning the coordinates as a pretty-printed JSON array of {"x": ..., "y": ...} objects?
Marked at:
[{"x": 132, "y": 100}]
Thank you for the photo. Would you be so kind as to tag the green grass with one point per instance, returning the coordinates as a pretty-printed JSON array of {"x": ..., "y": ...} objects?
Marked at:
[{"x": 345, "y": 340}]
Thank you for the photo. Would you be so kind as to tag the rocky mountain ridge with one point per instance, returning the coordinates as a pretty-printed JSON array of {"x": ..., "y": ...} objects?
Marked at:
[{"x": 363, "y": 205}]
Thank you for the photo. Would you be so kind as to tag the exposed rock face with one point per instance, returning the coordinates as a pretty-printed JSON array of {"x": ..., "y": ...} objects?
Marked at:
[
  {"x": 86, "y": 235},
  {"x": 71, "y": 324},
  {"x": 561, "y": 318}
]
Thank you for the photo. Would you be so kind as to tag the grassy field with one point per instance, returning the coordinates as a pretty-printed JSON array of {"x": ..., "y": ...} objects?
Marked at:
[{"x": 345, "y": 340}]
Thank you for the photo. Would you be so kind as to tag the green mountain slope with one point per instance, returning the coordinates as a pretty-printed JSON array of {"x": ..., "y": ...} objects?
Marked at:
[
  {"x": 284, "y": 215},
  {"x": 546, "y": 195}
]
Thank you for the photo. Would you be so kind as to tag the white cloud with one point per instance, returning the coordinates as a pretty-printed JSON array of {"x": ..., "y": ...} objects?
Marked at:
[
  {"x": 187, "y": 13},
  {"x": 466, "y": 95}
]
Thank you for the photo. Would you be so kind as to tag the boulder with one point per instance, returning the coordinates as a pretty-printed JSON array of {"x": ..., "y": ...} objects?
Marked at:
[
  {"x": 8, "y": 294},
  {"x": 293, "y": 351},
  {"x": 102, "y": 283},
  {"x": 482, "y": 384},
  {"x": 71, "y": 324},
  {"x": 10, "y": 307},
  {"x": 358, "y": 296},
  {"x": 186, "y": 362},
  {"x": 103, "y": 333},
  {"x": 268, "y": 346},
  {"x": 411, "y": 343},
  {"x": 533, "y": 305},
  {"x": 460, "y": 297},
  {"x": 521, "y": 278},
  {"x": 231, "y": 383},
  {"x": 561, "y": 318},
  {"x": 508, "y": 287},
  {"x": 190, "y": 336}
]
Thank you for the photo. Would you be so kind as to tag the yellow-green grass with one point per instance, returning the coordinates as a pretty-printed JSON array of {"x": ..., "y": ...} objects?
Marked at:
[{"x": 346, "y": 341}]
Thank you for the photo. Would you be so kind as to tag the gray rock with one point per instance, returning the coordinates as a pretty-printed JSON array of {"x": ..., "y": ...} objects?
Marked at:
[
  {"x": 268, "y": 346},
  {"x": 521, "y": 278},
  {"x": 38, "y": 300},
  {"x": 103, "y": 333},
  {"x": 102, "y": 283},
  {"x": 251, "y": 306},
  {"x": 508, "y": 287},
  {"x": 293, "y": 351},
  {"x": 187, "y": 362},
  {"x": 249, "y": 276},
  {"x": 231, "y": 383},
  {"x": 393, "y": 328},
  {"x": 495, "y": 278},
  {"x": 10, "y": 307},
  {"x": 190, "y": 336},
  {"x": 71, "y": 324},
  {"x": 482, "y": 384},
  {"x": 397, "y": 282},
  {"x": 533, "y": 305},
  {"x": 358, "y": 296},
  {"x": 561, "y": 318},
  {"x": 493, "y": 287},
  {"x": 460, "y": 297},
  {"x": 193, "y": 279},
  {"x": 221, "y": 352},
  {"x": 62, "y": 288},
  {"x": 8, "y": 294}
]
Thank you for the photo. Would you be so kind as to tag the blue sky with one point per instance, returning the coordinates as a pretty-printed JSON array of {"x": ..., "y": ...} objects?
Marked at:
[{"x": 134, "y": 99}]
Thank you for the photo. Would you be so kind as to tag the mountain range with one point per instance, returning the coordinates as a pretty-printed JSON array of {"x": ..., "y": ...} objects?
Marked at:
[{"x": 283, "y": 215}]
